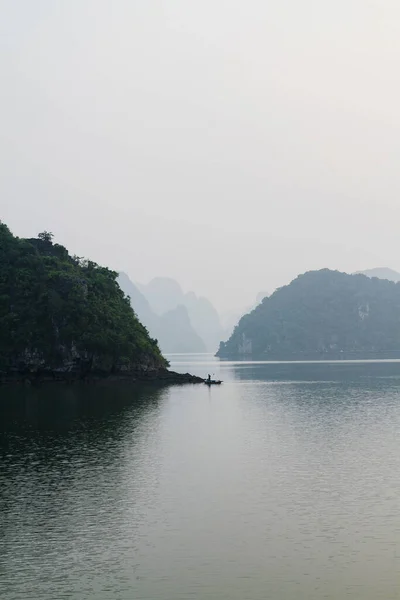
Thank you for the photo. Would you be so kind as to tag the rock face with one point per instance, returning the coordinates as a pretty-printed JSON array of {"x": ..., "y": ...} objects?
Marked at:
[
  {"x": 322, "y": 314},
  {"x": 245, "y": 345}
]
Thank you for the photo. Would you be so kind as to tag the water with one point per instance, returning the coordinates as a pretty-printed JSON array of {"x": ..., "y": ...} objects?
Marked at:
[{"x": 283, "y": 483}]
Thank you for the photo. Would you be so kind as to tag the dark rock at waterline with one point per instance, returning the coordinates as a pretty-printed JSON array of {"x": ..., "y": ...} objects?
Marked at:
[
  {"x": 157, "y": 376},
  {"x": 167, "y": 376}
]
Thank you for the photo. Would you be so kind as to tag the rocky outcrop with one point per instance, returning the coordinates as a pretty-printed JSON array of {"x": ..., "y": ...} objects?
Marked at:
[
  {"x": 42, "y": 375},
  {"x": 170, "y": 377},
  {"x": 32, "y": 368}
]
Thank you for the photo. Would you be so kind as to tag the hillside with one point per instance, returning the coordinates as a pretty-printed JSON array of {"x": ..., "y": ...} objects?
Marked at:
[
  {"x": 173, "y": 329},
  {"x": 60, "y": 313},
  {"x": 231, "y": 318},
  {"x": 322, "y": 314}
]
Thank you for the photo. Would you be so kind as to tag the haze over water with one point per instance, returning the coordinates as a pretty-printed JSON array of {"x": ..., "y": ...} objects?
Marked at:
[{"x": 281, "y": 483}]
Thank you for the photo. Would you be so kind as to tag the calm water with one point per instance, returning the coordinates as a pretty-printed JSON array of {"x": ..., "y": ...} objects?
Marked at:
[{"x": 284, "y": 483}]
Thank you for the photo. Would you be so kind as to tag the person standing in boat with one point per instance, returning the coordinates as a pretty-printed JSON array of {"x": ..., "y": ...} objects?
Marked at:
[{"x": 209, "y": 378}]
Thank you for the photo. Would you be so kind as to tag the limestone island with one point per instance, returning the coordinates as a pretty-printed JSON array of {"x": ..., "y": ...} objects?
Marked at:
[{"x": 64, "y": 318}]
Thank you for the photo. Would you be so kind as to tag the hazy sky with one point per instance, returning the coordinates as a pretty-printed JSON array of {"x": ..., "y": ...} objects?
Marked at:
[{"x": 228, "y": 144}]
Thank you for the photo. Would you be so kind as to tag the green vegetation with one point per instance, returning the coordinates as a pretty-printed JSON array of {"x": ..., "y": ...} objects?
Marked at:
[
  {"x": 320, "y": 314},
  {"x": 62, "y": 312}
]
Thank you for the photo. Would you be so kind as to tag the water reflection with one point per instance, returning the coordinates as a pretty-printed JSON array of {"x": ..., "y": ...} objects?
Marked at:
[
  {"x": 317, "y": 371},
  {"x": 282, "y": 483},
  {"x": 63, "y": 486}
]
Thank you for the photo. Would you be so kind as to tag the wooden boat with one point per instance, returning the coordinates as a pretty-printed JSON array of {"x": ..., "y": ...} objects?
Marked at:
[{"x": 212, "y": 382}]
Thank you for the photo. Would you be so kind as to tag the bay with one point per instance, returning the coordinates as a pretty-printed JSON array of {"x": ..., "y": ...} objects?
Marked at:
[{"x": 284, "y": 482}]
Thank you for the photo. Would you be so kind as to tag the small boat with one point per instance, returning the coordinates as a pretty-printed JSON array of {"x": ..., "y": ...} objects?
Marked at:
[{"x": 212, "y": 382}]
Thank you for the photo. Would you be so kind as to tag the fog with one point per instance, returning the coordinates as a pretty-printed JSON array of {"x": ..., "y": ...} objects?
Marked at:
[{"x": 228, "y": 144}]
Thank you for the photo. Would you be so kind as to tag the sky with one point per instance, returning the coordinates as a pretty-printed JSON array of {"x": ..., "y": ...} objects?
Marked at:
[{"x": 230, "y": 145}]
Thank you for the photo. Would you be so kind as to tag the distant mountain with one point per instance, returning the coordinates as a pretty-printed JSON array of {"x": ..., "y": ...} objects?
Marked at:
[
  {"x": 139, "y": 303},
  {"x": 322, "y": 314},
  {"x": 204, "y": 319},
  {"x": 165, "y": 294},
  {"x": 173, "y": 329},
  {"x": 382, "y": 273},
  {"x": 176, "y": 334}
]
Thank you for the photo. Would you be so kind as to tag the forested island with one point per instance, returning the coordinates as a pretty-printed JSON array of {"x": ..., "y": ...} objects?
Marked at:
[
  {"x": 322, "y": 314},
  {"x": 66, "y": 318}
]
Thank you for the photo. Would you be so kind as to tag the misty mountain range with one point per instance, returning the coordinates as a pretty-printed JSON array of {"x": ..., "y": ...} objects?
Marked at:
[
  {"x": 180, "y": 322},
  {"x": 184, "y": 322}
]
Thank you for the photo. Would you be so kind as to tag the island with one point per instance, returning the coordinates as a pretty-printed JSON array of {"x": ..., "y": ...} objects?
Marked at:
[
  {"x": 321, "y": 315},
  {"x": 64, "y": 318}
]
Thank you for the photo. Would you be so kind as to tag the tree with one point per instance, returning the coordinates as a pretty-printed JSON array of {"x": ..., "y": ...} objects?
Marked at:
[{"x": 46, "y": 236}]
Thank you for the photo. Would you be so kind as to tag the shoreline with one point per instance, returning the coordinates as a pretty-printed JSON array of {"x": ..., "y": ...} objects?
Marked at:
[{"x": 161, "y": 376}]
